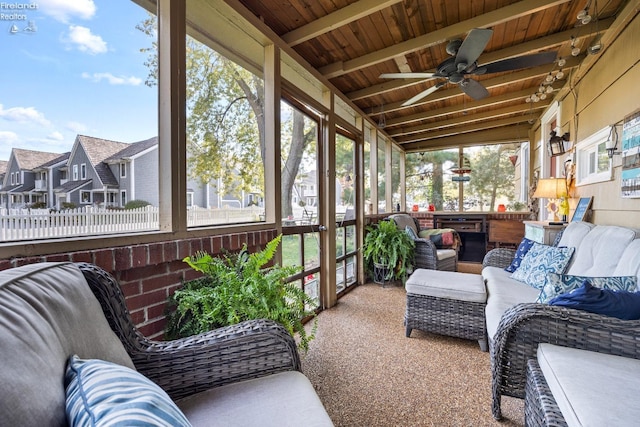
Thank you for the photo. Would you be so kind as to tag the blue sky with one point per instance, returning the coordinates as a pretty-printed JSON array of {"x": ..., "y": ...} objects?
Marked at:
[{"x": 80, "y": 72}]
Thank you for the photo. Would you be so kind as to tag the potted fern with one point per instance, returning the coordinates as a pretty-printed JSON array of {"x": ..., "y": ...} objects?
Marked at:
[
  {"x": 237, "y": 287},
  {"x": 388, "y": 252}
]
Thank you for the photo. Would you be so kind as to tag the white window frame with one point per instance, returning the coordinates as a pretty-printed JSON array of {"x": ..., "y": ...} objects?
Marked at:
[
  {"x": 586, "y": 150},
  {"x": 13, "y": 178},
  {"x": 75, "y": 172},
  {"x": 123, "y": 170},
  {"x": 83, "y": 171},
  {"x": 123, "y": 198},
  {"x": 82, "y": 196}
]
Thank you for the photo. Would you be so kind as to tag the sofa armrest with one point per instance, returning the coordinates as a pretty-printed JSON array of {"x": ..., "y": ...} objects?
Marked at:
[
  {"x": 185, "y": 366},
  {"x": 425, "y": 254},
  {"x": 524, "y": 326},
  {"x": 498, "y": 257}
]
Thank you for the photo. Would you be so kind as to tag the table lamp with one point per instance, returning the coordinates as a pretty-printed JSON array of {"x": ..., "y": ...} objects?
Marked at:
[{"x": 552, "y": 189}]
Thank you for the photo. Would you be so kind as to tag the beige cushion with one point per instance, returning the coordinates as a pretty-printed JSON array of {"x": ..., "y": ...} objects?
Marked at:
[
  {"x": 600, "y": 250},
  {"x": 592, "y": 389},
  {"x": 47, "y": 313},
  {"x": 403, "y": 221},
  {"x": 447, "y": 284},
  {"x": 279, "y": 400}
]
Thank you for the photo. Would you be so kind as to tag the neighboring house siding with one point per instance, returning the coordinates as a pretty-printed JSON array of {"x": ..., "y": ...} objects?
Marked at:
[{"x": 146, "y": 179}]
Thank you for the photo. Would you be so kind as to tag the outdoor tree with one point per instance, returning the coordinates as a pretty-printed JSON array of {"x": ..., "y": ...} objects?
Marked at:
[
  {"x": 427, "y": 173},
  {"x": 493, "y": 174},
  {"x": 225, "y": 120}
]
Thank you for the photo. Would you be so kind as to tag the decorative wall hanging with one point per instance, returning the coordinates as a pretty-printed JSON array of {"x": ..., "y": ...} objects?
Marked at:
[{"x": 630, "y": 180}]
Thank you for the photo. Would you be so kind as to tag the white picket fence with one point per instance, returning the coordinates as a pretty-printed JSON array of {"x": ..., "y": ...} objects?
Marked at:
[{"x": 26, "y": 224}]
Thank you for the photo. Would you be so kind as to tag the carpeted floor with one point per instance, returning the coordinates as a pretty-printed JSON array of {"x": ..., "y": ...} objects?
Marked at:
[{"x": 367, "y": 373}]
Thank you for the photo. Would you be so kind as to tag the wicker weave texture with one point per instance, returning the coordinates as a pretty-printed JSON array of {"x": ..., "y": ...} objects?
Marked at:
[
  {"x": 524, "y": 326},
  {"x": 540, "y": 407},
  {"x": 498, "y": 257},
  {"x": 462, "y": 319},
  {"x": 186, "y": 366}
]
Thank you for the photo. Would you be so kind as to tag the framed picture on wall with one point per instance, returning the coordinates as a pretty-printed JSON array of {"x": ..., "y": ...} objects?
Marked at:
[{"x": 582, "y": 209}]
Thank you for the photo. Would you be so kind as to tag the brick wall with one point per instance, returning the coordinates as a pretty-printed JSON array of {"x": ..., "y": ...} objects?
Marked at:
[{"x": 149, "y": 273}]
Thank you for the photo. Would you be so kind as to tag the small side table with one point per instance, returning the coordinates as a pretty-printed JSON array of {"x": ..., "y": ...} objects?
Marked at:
[{"x": 542, "y": 231}]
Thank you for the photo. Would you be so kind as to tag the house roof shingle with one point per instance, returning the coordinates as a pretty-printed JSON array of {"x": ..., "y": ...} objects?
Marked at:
[
  {"x": 31, "y": 159},
  {"x": 98, "y": 150}
]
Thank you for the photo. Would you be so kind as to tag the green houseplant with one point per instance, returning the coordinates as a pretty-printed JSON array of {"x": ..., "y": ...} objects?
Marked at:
[
  {"x": 390, "y": 248},
  {"x": 237, "y": 287}
]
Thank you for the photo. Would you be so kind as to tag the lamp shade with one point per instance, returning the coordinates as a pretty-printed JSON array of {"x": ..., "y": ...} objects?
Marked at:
[{"x": 550, "y": 188}]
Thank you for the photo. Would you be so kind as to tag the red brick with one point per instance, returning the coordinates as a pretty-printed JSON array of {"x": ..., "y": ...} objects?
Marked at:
[
  {"x": 147, "y": 299},
  {"x": 184, "y": 248},
  {"x": 58, "y": 258},
  {"x": 170, "y": 250},
  {"x": 104, "y": 258},
  {"x": 196, "y": 246},
  {"x": 153, "y": 328},
  {"x": 5, "y": 264},
  {"x": 191, "y": 275},
  {"x": 17, "y": 262},
  {"x": 156, "y": 311},
  {"x": 156, "y": 253},
  {"x": 207, "y": 244},
  {"x": 81, "y": 257},
  {"x": 139, "y": 256},
  {"x": 141, "y": 273},
  {"x": 216, "y": 244},
  {"x": 131, "y": 288},
  {"x": 122, "y": 258},
  {"x": 160, "y": 282},
  {"x": 138, "y": 316}
]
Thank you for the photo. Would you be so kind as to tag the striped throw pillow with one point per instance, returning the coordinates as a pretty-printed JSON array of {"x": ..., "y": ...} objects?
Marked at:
[{"x": 102, "y": 393}]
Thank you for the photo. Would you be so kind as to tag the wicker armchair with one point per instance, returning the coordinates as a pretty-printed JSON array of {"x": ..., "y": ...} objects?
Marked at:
[
  {"x": 186, "y": 366},
  {"x": 524, "y": 326},
  {"x": 426, "y": 254}
]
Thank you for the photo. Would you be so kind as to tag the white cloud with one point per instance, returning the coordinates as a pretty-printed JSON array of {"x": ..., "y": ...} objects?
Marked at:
[
  {"x": 76, "y": 127},
  {"x": 23, "y": 115},
  {"x": 8, "y": 138},
  {"x": 64, "y": 10},
  {"x": 85, "y": 41},
  {"x": 111, "y": 79},
  {"x": 55, "y": 136}
]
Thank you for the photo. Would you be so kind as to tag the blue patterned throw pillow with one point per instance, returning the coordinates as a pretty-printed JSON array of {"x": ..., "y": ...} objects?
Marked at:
[
  {"x": 557, "y": 284},
  {"x": 621, "y": 304},
  {"x": 102, "y": 393},
  {"x": 540, "y": 261},
  {"x": 522, "y": 250}
]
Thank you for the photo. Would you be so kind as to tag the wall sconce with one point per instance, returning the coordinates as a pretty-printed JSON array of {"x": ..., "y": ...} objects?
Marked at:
[
  {"x": 611, "y": 144},
  {"x": 556, "y": 143}
]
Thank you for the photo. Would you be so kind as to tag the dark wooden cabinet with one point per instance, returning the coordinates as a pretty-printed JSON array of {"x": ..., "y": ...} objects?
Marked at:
[{"x": 472, "y": 229}]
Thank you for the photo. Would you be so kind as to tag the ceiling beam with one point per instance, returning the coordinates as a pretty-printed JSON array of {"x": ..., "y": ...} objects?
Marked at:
[
  {"x": 499, "y": 135},
  {"x": 336, "y": 19},
  {"x": 495, "y": 17},
  {"x": 424, "y": 129},
  {"x": 502, "y": 80},
  {"x": 531, "y": 46},
  {"x": 486, "y": 102}
]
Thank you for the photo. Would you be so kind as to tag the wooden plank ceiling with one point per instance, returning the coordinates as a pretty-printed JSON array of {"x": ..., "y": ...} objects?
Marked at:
[{"x": 353, "y": 42}]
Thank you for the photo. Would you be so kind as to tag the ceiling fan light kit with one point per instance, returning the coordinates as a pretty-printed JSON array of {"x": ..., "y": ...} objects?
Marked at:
[{"x": 463, "y": 64}]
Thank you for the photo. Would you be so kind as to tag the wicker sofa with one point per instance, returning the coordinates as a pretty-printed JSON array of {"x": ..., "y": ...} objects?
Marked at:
[
  {"x": 428, "y": 254},
  {"x": 516, "y": 324},
  {"x": 247, "y": 374}
]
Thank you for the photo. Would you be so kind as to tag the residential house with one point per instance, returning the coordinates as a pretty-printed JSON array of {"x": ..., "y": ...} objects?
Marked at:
[{"x": 19, "y": 183}]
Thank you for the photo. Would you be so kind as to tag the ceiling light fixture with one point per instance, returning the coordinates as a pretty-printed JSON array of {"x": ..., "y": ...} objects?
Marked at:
[
  {"x": 546, "y": 87},
  {"x": 575, "y": 50}
]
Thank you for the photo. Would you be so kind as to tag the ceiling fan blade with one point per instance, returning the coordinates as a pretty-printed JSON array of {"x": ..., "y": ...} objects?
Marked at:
[
  {"x": 474, "y": 89},
  {"x": 520, "y": 62},
  {"x": 423, "y": 94},
  {"x": 472, "y": 47},
  {"x": 406, "y": 75}
]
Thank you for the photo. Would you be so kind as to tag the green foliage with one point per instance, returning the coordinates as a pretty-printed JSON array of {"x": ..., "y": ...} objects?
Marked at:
[
  {"x": 38, "y": 205},
  {"x": 238, "y": 287},
  {"x": 386, "y": 244},
  {"x": 136, "y": 204},
  {"x": 68, "y": 205}
]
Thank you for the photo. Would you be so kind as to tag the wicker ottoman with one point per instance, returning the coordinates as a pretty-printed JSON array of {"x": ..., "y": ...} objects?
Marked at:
[{"x": 447, "y": 303}]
